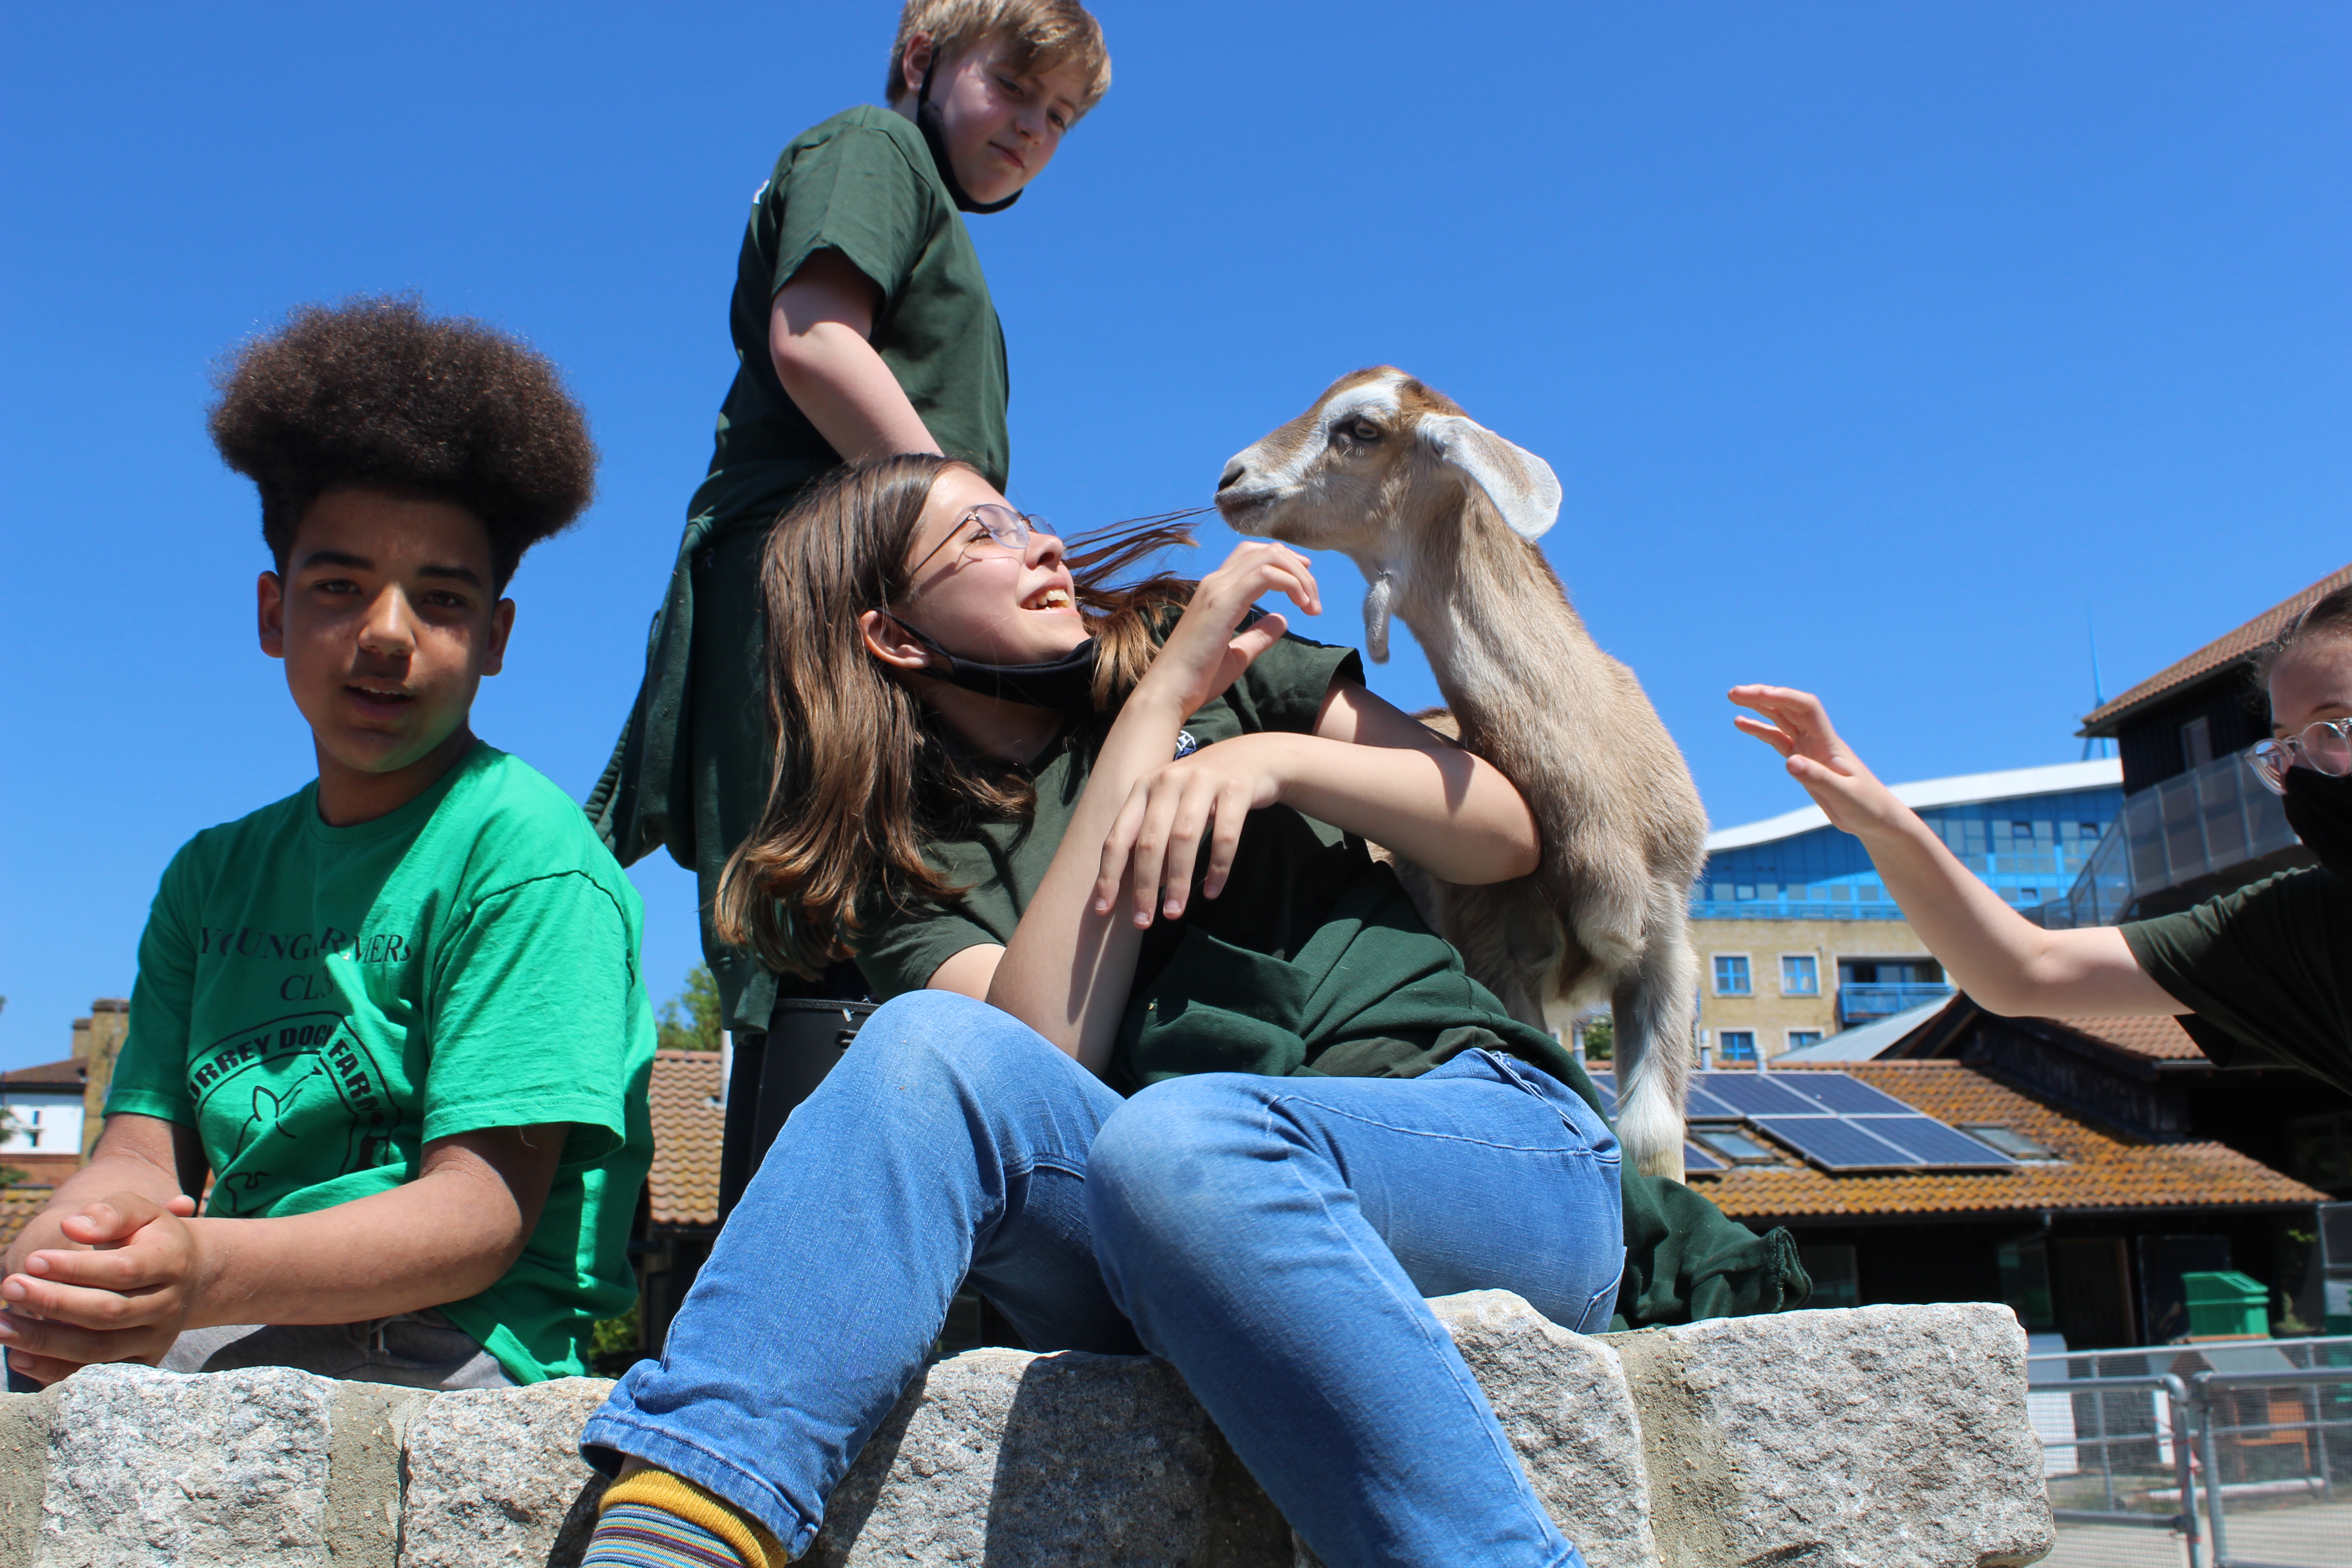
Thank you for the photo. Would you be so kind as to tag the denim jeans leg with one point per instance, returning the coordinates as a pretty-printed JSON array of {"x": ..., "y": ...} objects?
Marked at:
[
  {"x": 1273, "y": 1239},
  {"x": 949, "y": 1136}
]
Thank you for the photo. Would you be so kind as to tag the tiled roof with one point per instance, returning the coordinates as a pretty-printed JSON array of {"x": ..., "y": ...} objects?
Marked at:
[
  {"x": 67, "y": 1074},
  {"x": 17, "y": 1206},
  {"x": 2246, "y": 641},
  {"x": 2157, "y": 1036},
  {"x": 682, "y": 1189},
  {"x": 2100, "y": 1169}
]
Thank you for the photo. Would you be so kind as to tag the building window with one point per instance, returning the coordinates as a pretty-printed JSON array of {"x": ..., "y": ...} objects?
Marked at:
[
  {"x": 2007, "y": 1139},
  {"x": 1837, "y": 1279},
  {"x": 1730, "y": 1143},
  {"x": 1735, "y": 1045},
  {"x": 1800, "y": 974},
  {"x": 1799, "y": 1038},
  {"x": 1732, "y": 974},
  {"x": 2195, "y": 742}
]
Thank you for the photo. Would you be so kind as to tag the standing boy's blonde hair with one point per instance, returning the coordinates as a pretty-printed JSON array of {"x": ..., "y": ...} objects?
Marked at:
[{"x": 1043, "y": 34}]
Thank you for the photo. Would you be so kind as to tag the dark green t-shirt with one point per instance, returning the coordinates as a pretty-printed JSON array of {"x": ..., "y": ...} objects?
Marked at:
[
  {"x": 863, "y": 183},
  {"x": 2269, "y": 967},
  {"x": 1313, "y": 959},
  {"x": 319, "y": 1003}
]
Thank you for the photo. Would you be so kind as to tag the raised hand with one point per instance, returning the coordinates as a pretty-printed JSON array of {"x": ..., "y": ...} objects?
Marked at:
[
  {"x": 1795, "y": 724},
  {"x": 125, "y": 1299},
  {"x": 1204, "y": 655}
]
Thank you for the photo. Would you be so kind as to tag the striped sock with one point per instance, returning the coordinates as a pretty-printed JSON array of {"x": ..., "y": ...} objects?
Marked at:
[
  {"x": 635, "y": 1535},
  {"x": 652, "y": 1518}
]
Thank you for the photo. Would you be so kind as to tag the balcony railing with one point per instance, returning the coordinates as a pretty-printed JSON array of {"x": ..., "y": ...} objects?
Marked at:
[
  {"x": 2190, "y": 826},
  {"x": 1859, "y": 1004}
]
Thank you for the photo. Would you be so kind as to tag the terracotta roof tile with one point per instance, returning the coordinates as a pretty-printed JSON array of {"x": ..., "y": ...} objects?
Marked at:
[
  {"x": 2157, "y": 1036},
  {"x": 682, "y": 1188},
  {"x": 2242, "y": 643},
  {"x": 68, "y": 1074},
  {"x": 2101, "y": 1170}
]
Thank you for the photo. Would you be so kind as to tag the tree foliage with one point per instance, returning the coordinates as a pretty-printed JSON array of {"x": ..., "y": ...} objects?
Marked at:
[
  {"x": 1599, "y": 1037},
  {"x": 690, "y": 1020}
]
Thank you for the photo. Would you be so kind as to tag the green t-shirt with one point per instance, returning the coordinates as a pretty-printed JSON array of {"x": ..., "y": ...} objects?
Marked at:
[
  {"x": 1313, "y": 959},
  {"x": 2269, "y": 967},
  {"x": 319, "y": 1002},
  {"x": 863, "y": 183}
]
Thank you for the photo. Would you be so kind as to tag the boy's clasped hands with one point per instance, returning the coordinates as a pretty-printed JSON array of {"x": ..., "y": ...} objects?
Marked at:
[{"x": 125, "y": 1298}]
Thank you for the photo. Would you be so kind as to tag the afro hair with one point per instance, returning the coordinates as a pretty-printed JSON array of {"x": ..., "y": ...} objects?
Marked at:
[{"x": 376, "y": 394}]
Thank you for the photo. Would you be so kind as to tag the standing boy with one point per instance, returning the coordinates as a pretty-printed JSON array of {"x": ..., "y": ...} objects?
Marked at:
[
  {"x": 397, "y": 1015},
  {"x": 862, "y": 327}
]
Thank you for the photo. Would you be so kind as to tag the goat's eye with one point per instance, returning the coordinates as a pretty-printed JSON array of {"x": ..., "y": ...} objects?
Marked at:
[{"x": 1364, "y": 430}]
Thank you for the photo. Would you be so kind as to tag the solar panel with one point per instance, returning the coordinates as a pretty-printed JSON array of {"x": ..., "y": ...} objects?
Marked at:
[
  {"x": 1932, "y": 1143},
  {"x": 1842, "y": 1094},
  {"x": 1705, "y": 1107},
  {"x": 1755, "y": 1094},
  {"x": 1835, "y": 1119},
  {"x": 1837, "y": 1145}
]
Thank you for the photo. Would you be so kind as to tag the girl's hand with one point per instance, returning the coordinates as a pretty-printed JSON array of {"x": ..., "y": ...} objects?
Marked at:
[
  {"x": 1202, "y": 656},
  {"x": 1158, "y": 831},
  {"x": 1799, "y": 731},
  {"x": 125, "y": 1299}
]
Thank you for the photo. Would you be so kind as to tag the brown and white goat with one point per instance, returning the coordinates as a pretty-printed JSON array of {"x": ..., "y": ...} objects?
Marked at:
[{"x": 1441, "y": 514}]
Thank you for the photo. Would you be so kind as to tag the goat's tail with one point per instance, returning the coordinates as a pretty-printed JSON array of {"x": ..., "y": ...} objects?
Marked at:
[{"x": 1654, "y": 1048}]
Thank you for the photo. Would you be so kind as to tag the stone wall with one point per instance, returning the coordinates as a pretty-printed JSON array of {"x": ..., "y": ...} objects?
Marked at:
[{"x": 1891, "y": 1435}]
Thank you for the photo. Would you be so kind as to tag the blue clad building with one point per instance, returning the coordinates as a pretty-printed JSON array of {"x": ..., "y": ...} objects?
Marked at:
[{"x": 1798, "y": 939}]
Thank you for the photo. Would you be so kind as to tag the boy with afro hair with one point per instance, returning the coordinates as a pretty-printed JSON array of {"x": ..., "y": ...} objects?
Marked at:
[{"x": 397, "y": 1015}]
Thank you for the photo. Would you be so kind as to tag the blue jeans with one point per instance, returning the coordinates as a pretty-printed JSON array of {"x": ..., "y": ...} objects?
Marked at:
[{"x": 1271, "y": 1238}]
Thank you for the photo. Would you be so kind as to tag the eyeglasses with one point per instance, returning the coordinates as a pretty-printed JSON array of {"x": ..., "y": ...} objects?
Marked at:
[
  {"x": 2324, "y": 747},
  {"x": 1009, "y": 528}
]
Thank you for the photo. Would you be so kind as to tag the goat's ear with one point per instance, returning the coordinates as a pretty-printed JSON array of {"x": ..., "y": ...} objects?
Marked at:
[{"x": 1520, "y": 484}]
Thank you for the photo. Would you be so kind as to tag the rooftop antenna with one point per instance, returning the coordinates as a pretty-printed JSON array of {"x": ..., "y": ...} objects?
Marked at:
[{"x": 2096, "y": 746}]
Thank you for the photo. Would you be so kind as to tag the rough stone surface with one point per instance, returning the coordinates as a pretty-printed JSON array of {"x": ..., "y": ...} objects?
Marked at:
[
  {"x": 1029, "y": 1461},
  {"x": 1563, "y": 1401},
  {"x": 1886, "y": 1437},
  {"x": 1877, "y": 1437},
  {"x": 158, "y": 1469},
  {"x": 24, "y": 1469},
  {"x": 362, "y": 1516},
  {"x": 493, "y": 1473}
]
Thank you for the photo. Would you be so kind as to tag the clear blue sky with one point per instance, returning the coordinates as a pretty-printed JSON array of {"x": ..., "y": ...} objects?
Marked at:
[{"x": 1878, "y": 347}]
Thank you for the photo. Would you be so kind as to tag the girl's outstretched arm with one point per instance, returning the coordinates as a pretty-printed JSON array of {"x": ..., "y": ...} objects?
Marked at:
[{"x": 2003, "y": 961}]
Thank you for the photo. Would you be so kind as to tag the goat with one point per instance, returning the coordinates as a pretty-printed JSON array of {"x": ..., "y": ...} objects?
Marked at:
[{"x": 1441, "y": 514}]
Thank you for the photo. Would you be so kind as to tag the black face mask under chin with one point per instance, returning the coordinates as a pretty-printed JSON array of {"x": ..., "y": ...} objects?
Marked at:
[
  {"x": 934, "y": 127},
  {"x": 1065, "y": 685},
  {"x": 2319, "y": 809}
]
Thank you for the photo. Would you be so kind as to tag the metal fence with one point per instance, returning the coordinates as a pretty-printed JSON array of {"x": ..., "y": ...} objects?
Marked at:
[{"x": 2216, "y": 1454}]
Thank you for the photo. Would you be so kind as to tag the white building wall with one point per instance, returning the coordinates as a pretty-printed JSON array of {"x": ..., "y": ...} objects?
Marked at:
[{"x": 46, "y": 1123}]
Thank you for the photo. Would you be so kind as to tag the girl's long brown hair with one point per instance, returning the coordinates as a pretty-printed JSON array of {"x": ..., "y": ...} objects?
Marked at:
[{"x": 862, "y": 777}]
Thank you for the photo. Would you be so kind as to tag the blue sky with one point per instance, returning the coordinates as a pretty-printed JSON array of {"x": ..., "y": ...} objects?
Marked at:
[{"x": 1879, "y": 348}]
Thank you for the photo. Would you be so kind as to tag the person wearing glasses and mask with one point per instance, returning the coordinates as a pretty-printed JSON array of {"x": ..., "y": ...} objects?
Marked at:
[{"x": 2260, "y": 976}]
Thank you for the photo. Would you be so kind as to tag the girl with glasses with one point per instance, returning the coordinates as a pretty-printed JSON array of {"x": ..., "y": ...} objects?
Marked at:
[
  {"x": 1170, "y": 1062},
  {"x": 2260, "y": 975}
]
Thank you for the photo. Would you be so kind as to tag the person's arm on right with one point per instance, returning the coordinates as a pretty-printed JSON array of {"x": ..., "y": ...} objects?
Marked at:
[
  {"x": 2004, "y": 961},
  {"x": 820, "y": 332}
]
